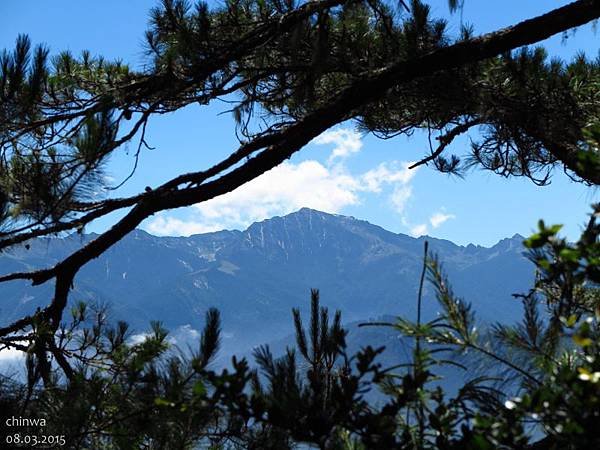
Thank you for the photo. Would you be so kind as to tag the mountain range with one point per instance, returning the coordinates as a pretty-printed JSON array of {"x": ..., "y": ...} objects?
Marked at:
[{"x": 257, "y": 275}]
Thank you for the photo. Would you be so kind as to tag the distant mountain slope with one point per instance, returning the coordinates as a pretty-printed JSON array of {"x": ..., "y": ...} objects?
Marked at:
[
  {"x": 256, "y": 276},
  {"x": 397, "y": 354}
]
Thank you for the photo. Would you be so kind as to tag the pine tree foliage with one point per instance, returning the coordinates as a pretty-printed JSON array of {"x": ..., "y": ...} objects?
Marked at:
[{"x": 320, "y": 399}]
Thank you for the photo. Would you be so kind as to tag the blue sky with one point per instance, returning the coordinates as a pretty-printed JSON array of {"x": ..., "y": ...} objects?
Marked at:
[{"x": 341, "y": 172}]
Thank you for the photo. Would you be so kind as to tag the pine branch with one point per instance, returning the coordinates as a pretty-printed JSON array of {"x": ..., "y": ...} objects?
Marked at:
[{"x": 445, "y": 140}]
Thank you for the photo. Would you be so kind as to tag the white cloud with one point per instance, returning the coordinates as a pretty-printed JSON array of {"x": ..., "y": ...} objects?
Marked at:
[
  {"x": 282, "y": 190},
  {"x": 288, "y": 187},
  {"x": 346, "y": 142},
  {"x": 12, "y": 362},
  {"x": 10, "y": 355},
  {"x": 436, "y": 220},
  {"x": 419, "y": 230},
  {"x": 136, "y": 339},
  {"x": 400, "y": 197},
  {"x": 439, "y": 218},
  {"x": 285, "y": 188},
  {"x": 396, "y": 174},
  {"x": 374, "y": 178},
  {"x": 170, "y": 226},
  {"x": 185, "y": 334}
]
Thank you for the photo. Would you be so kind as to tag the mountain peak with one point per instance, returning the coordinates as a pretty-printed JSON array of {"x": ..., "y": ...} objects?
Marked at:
[
  {"x": 512, "y": 243},
  {"x": 138, "y": 233},
  {"x": 305, "y": 212}
]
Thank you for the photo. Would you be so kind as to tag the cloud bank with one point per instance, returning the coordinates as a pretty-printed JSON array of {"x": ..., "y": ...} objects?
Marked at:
[
  {"x": 326, "y": 186},
  {"x": 436, "y": 220}
]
